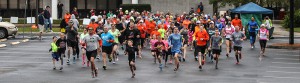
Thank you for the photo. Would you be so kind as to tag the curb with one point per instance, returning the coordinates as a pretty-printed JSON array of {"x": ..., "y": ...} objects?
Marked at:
[{"x": 2, "y": 45}]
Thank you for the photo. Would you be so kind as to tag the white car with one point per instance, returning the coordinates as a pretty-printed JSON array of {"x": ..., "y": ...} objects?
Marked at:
[{"x": 7, "y": 29}]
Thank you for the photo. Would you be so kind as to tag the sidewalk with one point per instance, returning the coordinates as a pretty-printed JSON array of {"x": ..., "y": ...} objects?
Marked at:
[{"x": 280, "y": 32}]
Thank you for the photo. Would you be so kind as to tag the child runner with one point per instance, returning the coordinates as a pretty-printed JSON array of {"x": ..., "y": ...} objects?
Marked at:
[
  {"x": 54, "y": 49},
  {"x": 159, "y": 46},
  {"x": 130, "y": 51},
  {"x": 215, "y": 44},
  {"x": 237, "y": 38},
  {"x": 61, "y": 42},
  {"x": 167, "y": 50},
  {"x": 152, "y": 43}
]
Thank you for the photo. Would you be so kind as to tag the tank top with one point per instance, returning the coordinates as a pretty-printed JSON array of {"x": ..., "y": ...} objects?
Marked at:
[
  {"x": 228, "y": 31},
  {"x": 263, "y": 34}
]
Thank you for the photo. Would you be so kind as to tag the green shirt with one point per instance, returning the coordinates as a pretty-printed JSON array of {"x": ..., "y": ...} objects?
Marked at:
[
  {"x": 162, "y": 32},
  {"x": 54, "y": 47},
  {"x": 115, "y": 34}
]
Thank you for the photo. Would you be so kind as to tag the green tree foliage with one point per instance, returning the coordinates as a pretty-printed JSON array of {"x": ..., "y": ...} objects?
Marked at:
[{"x": 286, "y": 21}]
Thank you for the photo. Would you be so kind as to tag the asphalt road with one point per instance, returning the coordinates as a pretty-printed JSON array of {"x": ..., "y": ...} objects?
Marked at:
[{"x": 30, "y": 62}]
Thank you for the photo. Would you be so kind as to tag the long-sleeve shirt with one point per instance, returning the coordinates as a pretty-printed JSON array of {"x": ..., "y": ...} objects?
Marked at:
[{"x": 202, "y": 35}]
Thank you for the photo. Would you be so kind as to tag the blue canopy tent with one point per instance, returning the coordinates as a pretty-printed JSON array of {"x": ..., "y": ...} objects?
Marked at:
[{"x": 251, "y": 10}]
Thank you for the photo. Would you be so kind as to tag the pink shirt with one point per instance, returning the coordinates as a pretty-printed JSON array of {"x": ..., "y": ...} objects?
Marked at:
[
  {"x": 228, "y": 31},
  {"x": 166, "y": 43},
  {"x": 153, "y": 41},
  {"x": 263, "y": 34}
]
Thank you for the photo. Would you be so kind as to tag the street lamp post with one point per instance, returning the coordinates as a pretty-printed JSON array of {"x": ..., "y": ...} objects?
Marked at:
[{"x": 292, "y": 22}]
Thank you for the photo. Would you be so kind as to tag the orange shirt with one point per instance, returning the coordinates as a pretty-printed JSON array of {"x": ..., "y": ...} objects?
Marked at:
[
  {"x": 237, "y": 22},
  {"x": 67, "y": 17},
  {"x": 186, "y": 23},
  {"x": 151, "y": 27},
  {"x": 155, "y": 32},
  {"x": 142, "y": 29},
  {"x": 201, "y": 35}
]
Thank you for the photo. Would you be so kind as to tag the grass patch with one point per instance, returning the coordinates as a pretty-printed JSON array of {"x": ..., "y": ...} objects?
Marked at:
[
  {"x": 296, "y": 29},
  {"x": 28, "y": 29}
]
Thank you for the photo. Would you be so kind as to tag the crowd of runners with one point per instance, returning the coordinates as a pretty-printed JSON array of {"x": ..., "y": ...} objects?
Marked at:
[{"x": 168, "y": 36}]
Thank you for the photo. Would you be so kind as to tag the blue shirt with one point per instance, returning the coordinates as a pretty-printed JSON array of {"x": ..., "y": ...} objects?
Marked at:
[
  {"x": 175, "y": 40},
  {"x": 219, "y": 25},
  {"x": 252, "y": 24},
  {"x": 106, "y": 36}
]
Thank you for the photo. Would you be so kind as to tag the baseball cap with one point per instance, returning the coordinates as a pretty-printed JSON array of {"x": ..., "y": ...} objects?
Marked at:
[
  {"x": 262, "y": 25},
  {"x": 90, "y": 28},
  {"x": 198, "y": 22}
]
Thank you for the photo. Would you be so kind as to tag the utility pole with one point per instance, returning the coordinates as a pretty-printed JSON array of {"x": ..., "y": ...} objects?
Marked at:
[{"x": 292, "y": 22}]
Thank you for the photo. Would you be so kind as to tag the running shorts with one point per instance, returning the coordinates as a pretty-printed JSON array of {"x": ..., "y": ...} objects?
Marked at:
[
  {"x": 90, "y": 54},
  {"x": 107, "y": 49},
  {"x": 237, "y": 48}
]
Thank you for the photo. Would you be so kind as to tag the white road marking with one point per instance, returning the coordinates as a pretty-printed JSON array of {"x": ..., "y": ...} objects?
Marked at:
[
  {"x": 280, "y": 77},
  {"x": 24, "y": 53},
  {"x": 287, "y": 59},
  {"x": 285, "y": 67},
  {"x": 284, "y": 72},
  {"x": 2, "y": 45},
  {"x": 286, "y": 63}
]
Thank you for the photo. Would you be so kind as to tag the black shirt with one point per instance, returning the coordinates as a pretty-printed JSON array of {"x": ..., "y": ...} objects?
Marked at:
[
  {"x": 61, "y": 43},
  {"x": 131, "y": 34},
  {"x": 131, "y": 52},
  {"x": 192, "y": 27},
  {"x": 47, "y": 14}
]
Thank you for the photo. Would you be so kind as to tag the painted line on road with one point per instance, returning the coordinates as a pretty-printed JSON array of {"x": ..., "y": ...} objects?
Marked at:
[
  {"x": 15, "y": 43},
  {"x": 284, "y": 67},
  {"x": 2, "y": 45},
  {"x": 24, "y": 62},
  {"x": 3, "y": 40},
  {"x": 280, "y": 77},
  {"x": 25, "y": 40},
  {"x": 284, "y": 72},
  {"x": 287, "y": 59},
  {"x": 286, "y": 63},
  {"x": 21, "y": 53}
]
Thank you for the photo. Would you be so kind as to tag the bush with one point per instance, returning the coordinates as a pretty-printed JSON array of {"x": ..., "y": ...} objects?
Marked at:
[
  {"x": 286, "y": 21},
  {"x": 136, "y": 7}
]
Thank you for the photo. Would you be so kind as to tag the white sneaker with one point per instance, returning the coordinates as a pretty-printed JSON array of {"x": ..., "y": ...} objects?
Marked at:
[
  {"x": 51, "y": 31},
  {"x": 114, "y": 62}
]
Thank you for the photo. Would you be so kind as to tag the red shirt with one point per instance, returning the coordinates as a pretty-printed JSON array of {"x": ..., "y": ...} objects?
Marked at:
[
  {"x": 155, "y": 32},
  {"x": 201, "y": 34}
]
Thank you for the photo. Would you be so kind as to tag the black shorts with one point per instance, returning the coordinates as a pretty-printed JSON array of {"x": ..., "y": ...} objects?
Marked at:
[
  {"x": 200, "y": 49},
  {"x": 228, "y": 39},
  {"x": 90, "y": 54},
  {"x": 263, "y": 43},
  {"x": 107, "y": 49},
  {"x": 142, "y": 41},
  {"x": 71, "y": 43},
  {"x": 121, "y": 39},
  {"x": 214, "y": 51},
  {"x": 159, "y": 53},
  {"x": 237, "y": 48},
  {"x": 61, "y": 50}
]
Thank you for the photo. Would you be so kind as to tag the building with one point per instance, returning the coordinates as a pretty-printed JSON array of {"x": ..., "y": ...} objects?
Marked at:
[{"x": 10, "y": 8}]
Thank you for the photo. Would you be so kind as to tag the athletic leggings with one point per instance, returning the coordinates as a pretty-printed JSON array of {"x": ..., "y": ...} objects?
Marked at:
[
  {"x": 263, "y": 43},
  {"x": 252, "y": 37}
]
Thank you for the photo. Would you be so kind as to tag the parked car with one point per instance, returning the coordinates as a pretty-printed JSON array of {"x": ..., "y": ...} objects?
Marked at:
[{"x": 7, "y": 29}]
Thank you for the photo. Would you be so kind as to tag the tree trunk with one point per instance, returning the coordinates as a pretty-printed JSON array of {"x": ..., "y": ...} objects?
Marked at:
[{"x": 215, "y": 8}]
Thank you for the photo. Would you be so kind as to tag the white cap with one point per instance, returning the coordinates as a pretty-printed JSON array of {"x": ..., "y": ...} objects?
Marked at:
[
  {"x": 198, "y": 21},
  {"x": 141, "y": 21},
  {"x": 114, "y": 16},
  {"x": 212, "y": 22},
  {"x": 262, "y": 25}
]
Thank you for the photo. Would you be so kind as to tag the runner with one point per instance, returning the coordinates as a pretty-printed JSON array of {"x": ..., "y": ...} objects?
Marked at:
[
  {"x": 61, "y": 43},
  {"x": 215, "y": 45},
  {"x": 133, "y": 34},
  {"x": 167, "y": 50},
  {"x": 115, "y": 33},
  {"x": 142, "y": 28},
  {"x": 198, "y": 25},
  {"x": 71, "y": 41},
  {"x": 263, "y": 35},
  {"x": 130, "y": 51},
  {"x": 91, "y": 43},
  {"x": 211, "y": 31},
  {"x": 83, "y": 48},
  {"x": 238, "y": 37},
  {"x": 153, "y": 50},
  {"x": 54, "y": 48},
  {"x": 107, "y": 46},
  {"x": 175, "y": 42},
  {"x": 252, "y": 28},
  {"x": 227, "y": 33},
  {"x": 201, "y": 38},
  {"x": 184, "y": 33},
  {"x": 159, "y": 47}
]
